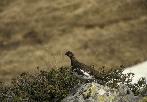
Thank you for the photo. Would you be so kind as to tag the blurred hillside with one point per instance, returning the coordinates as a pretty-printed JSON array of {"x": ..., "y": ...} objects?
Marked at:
[{"x": 38, "y": 32}]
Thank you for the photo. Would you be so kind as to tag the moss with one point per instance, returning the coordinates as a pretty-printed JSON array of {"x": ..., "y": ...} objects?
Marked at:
[
  {"x": 101, "y": 99},
  {"x": 144, "y": 99},
  {"x": 93, "y": 90}
]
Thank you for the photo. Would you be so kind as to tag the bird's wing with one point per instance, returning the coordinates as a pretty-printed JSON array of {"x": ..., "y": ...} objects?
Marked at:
[{"x": 81, "y": 73}]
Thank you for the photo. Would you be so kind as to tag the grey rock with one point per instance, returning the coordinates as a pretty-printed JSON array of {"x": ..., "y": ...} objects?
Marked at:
[{"x": 94, "y": 92}]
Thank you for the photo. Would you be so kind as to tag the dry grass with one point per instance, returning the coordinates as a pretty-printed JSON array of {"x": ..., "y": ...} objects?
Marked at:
[{"x": 37, "y": 33}]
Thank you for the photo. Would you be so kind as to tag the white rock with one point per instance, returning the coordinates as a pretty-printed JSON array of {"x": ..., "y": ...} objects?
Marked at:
[{"x": 140, "y": 70}]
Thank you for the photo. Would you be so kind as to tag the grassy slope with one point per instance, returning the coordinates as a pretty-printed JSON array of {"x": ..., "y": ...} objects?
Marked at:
[{"x": 38, "y": 32}]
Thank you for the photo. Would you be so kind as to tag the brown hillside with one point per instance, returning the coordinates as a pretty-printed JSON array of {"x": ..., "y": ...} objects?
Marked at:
[{"x": 38, "y": 32}]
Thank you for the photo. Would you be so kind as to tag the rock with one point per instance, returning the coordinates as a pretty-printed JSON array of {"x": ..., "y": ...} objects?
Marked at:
[
  {"x": 94, "y": 92},
  {"x": 139, "y": 71}
]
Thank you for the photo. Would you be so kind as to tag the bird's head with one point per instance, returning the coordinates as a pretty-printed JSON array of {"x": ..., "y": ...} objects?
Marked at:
[{"x": 69, "y": 54}]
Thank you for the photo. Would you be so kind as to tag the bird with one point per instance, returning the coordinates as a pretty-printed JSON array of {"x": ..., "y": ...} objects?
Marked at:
[{"x": 80, "y": 70}]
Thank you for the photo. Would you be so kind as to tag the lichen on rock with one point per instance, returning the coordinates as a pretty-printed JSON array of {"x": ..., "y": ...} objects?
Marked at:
[{"x": 94, "y": 92}]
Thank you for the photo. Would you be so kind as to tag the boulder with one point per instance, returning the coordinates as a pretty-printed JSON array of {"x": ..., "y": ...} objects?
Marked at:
[{"x": 94, "y": 92}]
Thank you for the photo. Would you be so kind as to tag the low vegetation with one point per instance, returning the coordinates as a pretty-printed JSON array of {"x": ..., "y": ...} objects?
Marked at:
[{"x": 54, "y": 85}]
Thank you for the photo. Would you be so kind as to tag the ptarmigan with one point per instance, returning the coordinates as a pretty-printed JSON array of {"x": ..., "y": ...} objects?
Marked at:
[{"x": 79, "y": 69}]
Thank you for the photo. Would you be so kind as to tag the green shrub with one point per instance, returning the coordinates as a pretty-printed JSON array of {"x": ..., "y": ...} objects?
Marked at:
[
  {"x": 115, "y": 77},
  {"x": 54, "y": 85},
  {"x": 44, "y": 86}
]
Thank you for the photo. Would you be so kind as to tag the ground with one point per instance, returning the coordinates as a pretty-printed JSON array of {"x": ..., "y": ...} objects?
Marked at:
[{"x": 38, "y": 32}]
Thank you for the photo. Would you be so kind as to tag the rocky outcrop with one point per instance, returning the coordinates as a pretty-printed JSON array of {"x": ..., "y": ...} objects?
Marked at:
[{"x": 93, "y": 92}]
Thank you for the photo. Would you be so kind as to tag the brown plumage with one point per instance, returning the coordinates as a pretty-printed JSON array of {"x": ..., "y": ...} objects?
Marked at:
[{"x": 81, "y": 70}]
